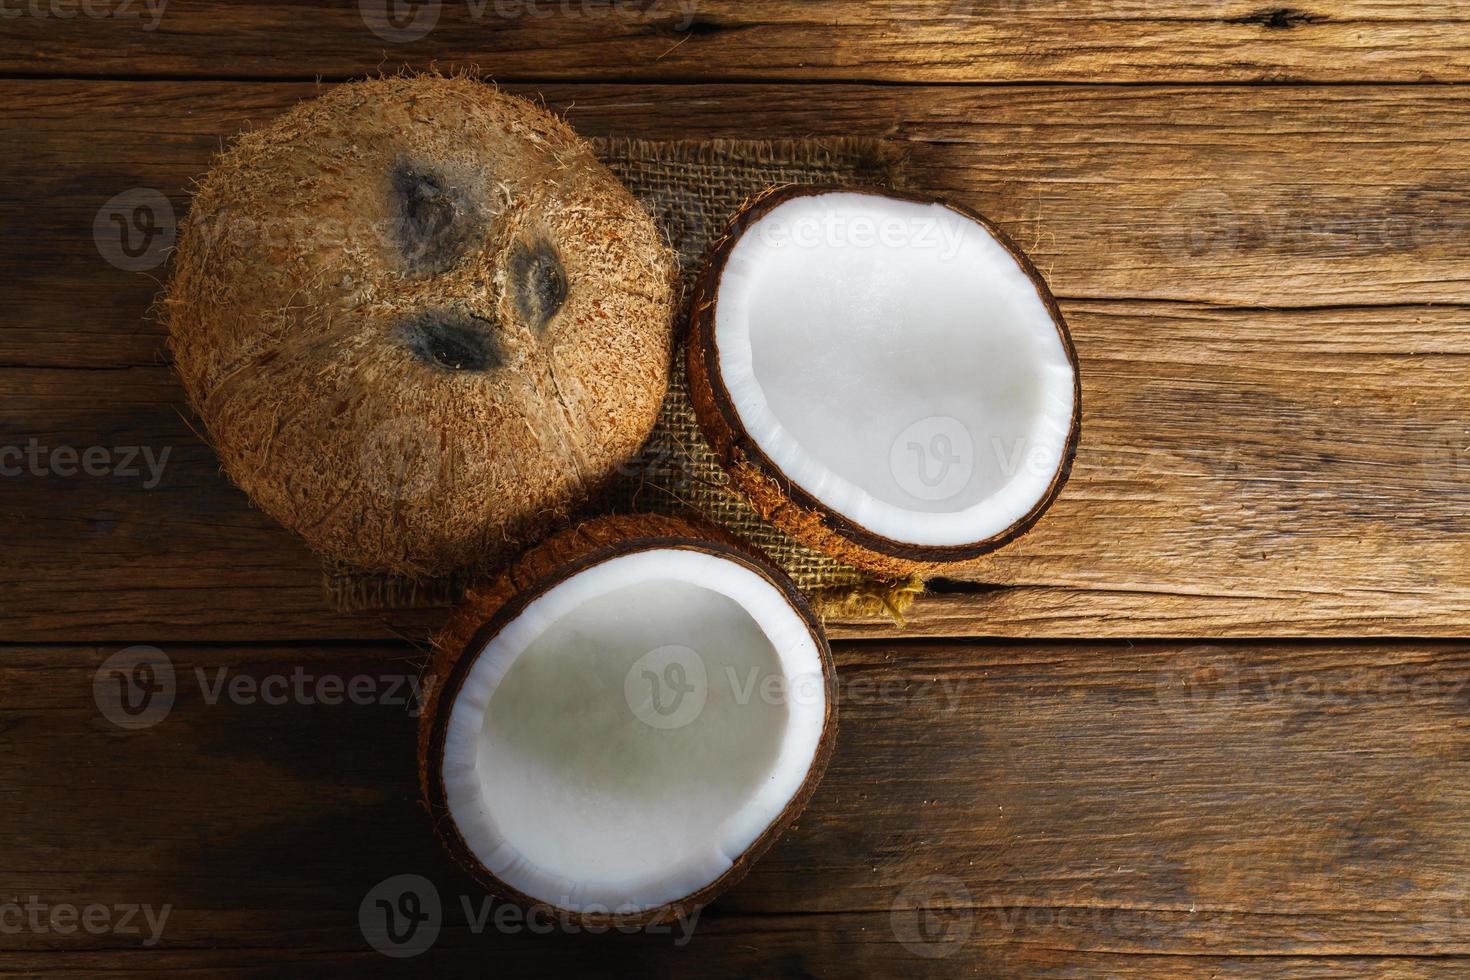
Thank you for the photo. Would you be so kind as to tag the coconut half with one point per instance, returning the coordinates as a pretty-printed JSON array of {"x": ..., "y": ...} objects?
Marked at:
[
  {"x": 625, "y": 719},
  {"x": 885, "y": 376}
]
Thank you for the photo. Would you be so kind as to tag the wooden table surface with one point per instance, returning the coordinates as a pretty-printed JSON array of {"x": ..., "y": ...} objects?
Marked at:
[{"x": 1212, "y": 718}]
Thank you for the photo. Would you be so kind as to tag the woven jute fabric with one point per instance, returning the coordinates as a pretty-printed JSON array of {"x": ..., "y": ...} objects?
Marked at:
[{"x": 692, "y": 188}]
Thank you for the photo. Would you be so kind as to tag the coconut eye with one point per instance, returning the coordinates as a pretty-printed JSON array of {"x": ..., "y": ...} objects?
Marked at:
[
  {"x": 435, "y": 220},
  {"x": 451, "y": 341},
  {"x": 538, "y": 283}
]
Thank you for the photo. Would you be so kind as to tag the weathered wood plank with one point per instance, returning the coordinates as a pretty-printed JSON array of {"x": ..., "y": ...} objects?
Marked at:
[
  {"x": 743, "y": 955},
  {"x": 1241, "y": 473},
  {"x": 734, "y": 950},
  {"x": 1061, "y": 809},
  {"x": 783, "y": 943},
  {"x": 1245, "y": 196},
  {"x": 1298, "y": 468},
  {"x": 889, "y": 40}
]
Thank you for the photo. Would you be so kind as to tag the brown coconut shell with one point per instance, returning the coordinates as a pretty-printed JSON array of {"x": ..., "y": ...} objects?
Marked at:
[
  {"x": 486, "y": 610},
  {"x": 420, "y": 321},
  {"x": 771, "y": 492}
]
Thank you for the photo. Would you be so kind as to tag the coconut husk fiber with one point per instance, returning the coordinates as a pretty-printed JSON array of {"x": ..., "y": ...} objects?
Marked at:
[
  {"x": 369, "y": 311},
  {"x": 692, "y": 188}
]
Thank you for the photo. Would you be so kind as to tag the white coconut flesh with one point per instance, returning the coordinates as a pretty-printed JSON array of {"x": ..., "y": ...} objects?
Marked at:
[
  {"x": 896, "y": 362},
  {"x": 634, "y": 730}
]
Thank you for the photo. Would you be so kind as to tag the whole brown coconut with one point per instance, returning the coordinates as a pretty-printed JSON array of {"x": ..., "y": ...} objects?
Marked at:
[{"x": 420, "y": 320}]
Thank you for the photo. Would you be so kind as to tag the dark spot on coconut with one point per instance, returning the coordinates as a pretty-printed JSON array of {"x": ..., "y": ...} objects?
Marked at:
[
  {"x": 538, "y": 282},
  {"x": 451, "y": 340},
  {"x": 435, "y": 219}
]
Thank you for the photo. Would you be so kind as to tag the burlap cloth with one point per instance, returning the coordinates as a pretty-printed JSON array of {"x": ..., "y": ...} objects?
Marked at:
[{"x": 692, "y": 188}]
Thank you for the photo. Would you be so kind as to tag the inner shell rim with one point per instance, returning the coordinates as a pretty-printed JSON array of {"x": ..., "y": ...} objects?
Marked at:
[{"x": 797, "y": 653}]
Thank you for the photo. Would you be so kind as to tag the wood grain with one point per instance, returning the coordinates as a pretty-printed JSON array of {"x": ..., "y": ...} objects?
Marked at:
[
  {"x": 1272, "y": 197},
  {"x": 1269, "y": 287},
  {"x": 1140, "y": 810},
  {"x": 846, "y": 944},
  {"x": 1276, "y": 398},
  {"x": 1330, "y": 497},
  {"x": 815, "y": 40}
]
